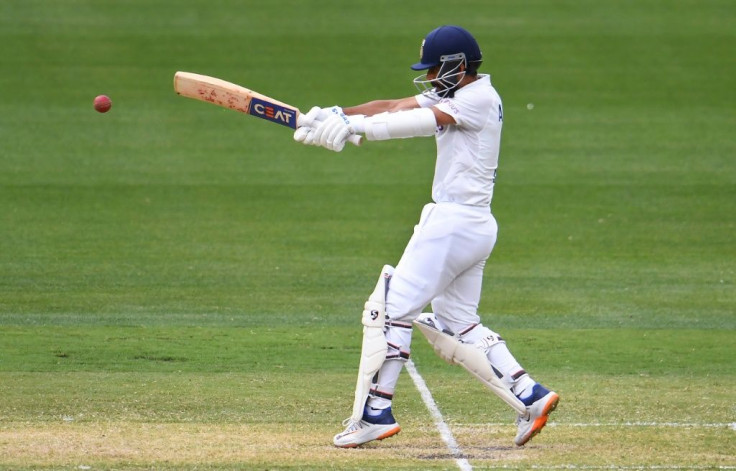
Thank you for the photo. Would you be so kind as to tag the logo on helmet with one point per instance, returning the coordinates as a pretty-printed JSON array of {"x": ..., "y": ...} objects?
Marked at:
[{"x": 421, "y": 50}]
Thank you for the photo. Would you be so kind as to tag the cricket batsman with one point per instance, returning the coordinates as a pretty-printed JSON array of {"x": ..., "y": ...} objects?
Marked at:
[{"x": 443, "y": 262}]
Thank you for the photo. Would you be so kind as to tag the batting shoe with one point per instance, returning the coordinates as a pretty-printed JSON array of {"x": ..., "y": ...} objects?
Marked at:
[
  {"x": 369, "y": 428},
  {"x": 539, "y": 405}
]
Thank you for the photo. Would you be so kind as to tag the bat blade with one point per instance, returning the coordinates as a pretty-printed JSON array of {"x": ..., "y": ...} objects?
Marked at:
[{"x": 235, "y": 97}]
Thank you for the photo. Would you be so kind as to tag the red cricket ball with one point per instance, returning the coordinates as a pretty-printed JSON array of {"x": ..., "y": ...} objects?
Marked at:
[{"x": 103, "y": 103}]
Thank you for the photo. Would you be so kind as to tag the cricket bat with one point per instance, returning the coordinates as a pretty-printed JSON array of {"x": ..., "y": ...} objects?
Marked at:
[{"x": 229, "y": 95}]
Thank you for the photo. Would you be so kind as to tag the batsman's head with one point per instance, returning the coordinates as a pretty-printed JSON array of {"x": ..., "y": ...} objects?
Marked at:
[{"x": 448, "y": 53}]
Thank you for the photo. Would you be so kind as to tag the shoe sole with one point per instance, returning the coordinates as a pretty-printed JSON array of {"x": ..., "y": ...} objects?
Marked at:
[
  {"x": 387, "y": 434},
  {"x": 541, "y": 421}
]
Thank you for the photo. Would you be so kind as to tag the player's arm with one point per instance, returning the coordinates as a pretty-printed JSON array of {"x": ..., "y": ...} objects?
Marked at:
[
  {"x": 382, "y": 106},
  {"x": 413, "y": 122},
  {"x": 392, "y": 106},
  {"x": 378, "y": 120},
  {"x": 442, "y": 118}
]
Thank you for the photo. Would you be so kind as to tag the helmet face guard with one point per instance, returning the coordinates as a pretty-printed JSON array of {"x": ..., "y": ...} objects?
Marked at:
[
  {"x": 447, "y": 79},
  {"x": 442, "y": 53}
]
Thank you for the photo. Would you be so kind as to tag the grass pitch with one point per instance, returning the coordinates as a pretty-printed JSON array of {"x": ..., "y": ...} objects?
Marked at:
[{"x": 180, "y": 286}]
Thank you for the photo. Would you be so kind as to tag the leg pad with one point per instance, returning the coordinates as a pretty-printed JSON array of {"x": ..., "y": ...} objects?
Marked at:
[
  {"x": 374, "y": 347},
  {"x": 470, "y": 357}
]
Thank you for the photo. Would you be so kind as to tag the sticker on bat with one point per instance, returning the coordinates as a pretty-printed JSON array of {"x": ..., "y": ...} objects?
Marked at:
[{"x": 272, "y": 112}]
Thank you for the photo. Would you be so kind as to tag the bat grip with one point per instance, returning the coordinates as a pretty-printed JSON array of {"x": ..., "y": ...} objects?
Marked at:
[{"x": 356, "y": 139}]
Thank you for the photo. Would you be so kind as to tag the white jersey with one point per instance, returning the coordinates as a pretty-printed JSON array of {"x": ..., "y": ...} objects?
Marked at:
[{"x": 467, "y": 152}]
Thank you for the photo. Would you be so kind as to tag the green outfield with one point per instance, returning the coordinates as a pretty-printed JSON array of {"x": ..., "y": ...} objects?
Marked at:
[{"x": 181, "y": 285}]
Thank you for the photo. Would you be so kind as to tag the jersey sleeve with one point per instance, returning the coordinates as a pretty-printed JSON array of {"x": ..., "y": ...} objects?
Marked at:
[
  {"x": 450, "y": 106},
  {"x": 425, "y": 101},
  {"x": 469, "y": 110}
]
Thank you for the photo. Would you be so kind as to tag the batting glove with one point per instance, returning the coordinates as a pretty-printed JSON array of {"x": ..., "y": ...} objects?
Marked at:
[
  {"x": 309, "y": 122},
  {"x": 300, "y": 135},
  {"x": 333, "y": 133},
  {"x": 317, "y": 115}
]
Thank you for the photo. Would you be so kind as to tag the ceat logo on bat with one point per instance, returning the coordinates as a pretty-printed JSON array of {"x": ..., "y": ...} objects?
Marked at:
[{"x": 272, "y": 112}]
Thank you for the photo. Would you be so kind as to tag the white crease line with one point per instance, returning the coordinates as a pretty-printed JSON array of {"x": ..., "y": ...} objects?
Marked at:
[
  {"x": 729, "y": 425},
  {"x": 439, "y": 421},
  {"x": 625, "y": 467}
]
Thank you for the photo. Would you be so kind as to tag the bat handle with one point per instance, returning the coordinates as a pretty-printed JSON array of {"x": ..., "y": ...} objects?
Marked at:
[{"x": 356, "y": 139}]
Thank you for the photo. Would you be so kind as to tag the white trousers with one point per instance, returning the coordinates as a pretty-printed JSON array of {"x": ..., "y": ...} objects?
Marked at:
[{"x": 443, "y": 265}]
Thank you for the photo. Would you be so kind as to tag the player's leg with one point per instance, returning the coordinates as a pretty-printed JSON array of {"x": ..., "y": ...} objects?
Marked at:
[
  {"x": 416, "y": 279},
  {"x": 442, "y": 246},
  {"x": 398, "y": 338},
  {"x": 407, "y": 294},
  {"x": 377, "y": 421},
  {"x": 359, "y": 427},
  {"x": 420, "y": 274},
  {"x": 456, "y": 311}
]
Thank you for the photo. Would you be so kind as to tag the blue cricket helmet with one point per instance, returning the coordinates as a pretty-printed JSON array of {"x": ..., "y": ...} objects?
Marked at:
[{"x": 447, "y": 43}]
